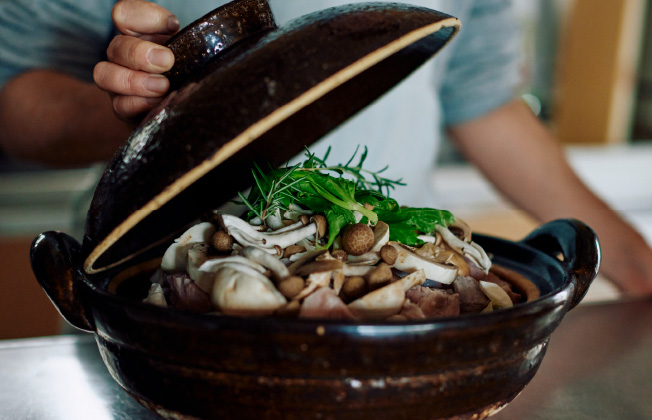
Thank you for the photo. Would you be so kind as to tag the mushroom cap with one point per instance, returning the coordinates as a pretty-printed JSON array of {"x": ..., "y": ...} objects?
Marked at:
[
  {"x": 290, "y": 85},
  {"x": 357, "y": 239}
]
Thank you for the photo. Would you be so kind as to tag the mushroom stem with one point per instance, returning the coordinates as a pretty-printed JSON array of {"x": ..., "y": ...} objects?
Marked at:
[
  {"x": 246, "y": 235},
  {"x": 471, "y": 250},
  {"x": 279, "y": 270}
]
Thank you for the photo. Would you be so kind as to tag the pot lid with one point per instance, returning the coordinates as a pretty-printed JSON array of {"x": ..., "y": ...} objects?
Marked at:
[{"x": 260, "y": 98}]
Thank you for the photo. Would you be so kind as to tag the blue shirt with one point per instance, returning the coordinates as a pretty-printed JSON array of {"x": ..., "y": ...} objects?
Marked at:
[{"x": 476, "y": 73}]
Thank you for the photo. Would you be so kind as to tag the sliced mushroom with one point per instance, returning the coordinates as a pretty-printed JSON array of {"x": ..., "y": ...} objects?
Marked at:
[
  {"x": 350, "y": 270},
  {"x": 499, "y": 297},
  {"x": 443, "y": 254},
  {"x": 197, "y": 255},
  {"x": 244, "y": 291},
  {"x": 313, "y": 282},
  {"x": 463, "y": 227},
  {"x": 388, "y": 300},
  {"x": 278, "y": 269},
  {"x": 175, "y": 257},
  {"x": 470, "y": 250},
  {"x": 409, "y": 262},
  {"x": 205, "y": 277}
]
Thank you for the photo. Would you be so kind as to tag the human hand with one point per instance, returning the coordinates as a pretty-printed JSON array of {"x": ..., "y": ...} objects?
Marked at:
[
  {"x": 627, "y": 262},
  {"x": 133, "y": 73}
]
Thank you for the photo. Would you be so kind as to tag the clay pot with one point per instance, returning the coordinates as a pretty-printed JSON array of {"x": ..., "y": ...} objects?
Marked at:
[
  {"x": 264, "y": 96},
  {"x": 182, "y": 363}
]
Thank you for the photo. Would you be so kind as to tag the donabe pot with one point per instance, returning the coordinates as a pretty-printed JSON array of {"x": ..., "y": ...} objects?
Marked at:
[
  {"x": 202, "y": 366},
  {"x": 257, "y": 86}
]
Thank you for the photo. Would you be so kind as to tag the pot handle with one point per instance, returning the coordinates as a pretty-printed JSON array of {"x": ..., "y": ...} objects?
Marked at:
[
  {"x": 56, "y": 263},
  {"x": 576, "y": 245}
]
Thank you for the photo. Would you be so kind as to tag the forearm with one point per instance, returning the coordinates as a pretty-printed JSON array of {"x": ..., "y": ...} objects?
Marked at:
[
  {"x": 57, "y": 120},
  {"x": 524, "y": 161}
]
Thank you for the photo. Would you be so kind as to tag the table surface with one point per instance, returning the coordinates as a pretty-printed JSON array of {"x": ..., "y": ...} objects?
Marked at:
[{"x": 598, "y": 365}]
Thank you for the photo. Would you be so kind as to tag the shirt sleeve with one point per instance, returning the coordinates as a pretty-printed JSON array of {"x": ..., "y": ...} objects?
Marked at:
[
  {"x": 69, "y": 36},
  {"x": 484, "y": 70}
]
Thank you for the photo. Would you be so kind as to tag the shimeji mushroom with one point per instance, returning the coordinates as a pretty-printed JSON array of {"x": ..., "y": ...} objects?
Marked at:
[
  {"x": 470, "y": 250},
  {"x": 175, "y": 257},
  {"x": 409, "y": 262},
  {"x": 241, "y": 290},
  {"x": 278, "y": 269},
  {"x": 357, "y": 239},
  {"x": 388, "y": 300},
  {"x": 246, "y": 235},
  {"x": 371, "y": 257}
]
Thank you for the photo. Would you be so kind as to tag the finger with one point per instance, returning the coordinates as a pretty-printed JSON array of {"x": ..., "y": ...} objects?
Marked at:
[
  {"x": 129, "y": 108},
  {"x": 138, "y": 17},
  {"x": 123, "y": 81},
  {"x": 155, "y": 38},
  {"x": 137, "y": 54}
]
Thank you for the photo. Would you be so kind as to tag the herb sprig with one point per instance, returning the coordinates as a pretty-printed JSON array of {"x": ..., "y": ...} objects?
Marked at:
[
  {"x": 359, "y": 174},
  {"x": 311, "y": 186}
]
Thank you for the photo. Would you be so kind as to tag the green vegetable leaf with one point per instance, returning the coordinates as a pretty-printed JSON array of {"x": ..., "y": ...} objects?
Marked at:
[
  {"x": 407, "y": 223},
  {"x": 325, "y": 190}
]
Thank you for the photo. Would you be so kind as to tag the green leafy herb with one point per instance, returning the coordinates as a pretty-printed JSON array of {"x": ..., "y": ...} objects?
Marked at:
[
  {"x": 312, "y": 185},
  {"x": 407, "y": 223}
]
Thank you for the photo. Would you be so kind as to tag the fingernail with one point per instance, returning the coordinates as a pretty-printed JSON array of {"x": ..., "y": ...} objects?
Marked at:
[
  {"x": 156, "y": 84},
  {"x": 161, "y": 57},
  {"x": 173, "y": 24}
]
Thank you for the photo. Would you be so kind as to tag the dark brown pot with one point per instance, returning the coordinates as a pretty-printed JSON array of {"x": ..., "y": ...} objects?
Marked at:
[
  {"x": 253, "y": 368},
  {"x": 289, "y": 86}
]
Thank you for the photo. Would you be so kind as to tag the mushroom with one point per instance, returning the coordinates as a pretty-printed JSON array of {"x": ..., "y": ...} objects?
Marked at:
[
  {"x": 196, "y": 256},
  {"x": 205, "y": 275},
  {"x": 278, "y": 269},
  {"x": 155, "y": 296},
  {"x": 381, "y": 237},
  {"x": 313, "y": 282},
  {"x": 470, "y": 250},
  {"x": 409, "y": 262},
  {"x": 291, "y": 286},
  {"x": 389, "y": 254},
  {"x": 463, "y": 227},
  {"x": 174, "y": 259},
  {"x": 319, "y": 272},
  {"x": 388, "y": 300},
  {"x": 350, "y": 270},
  {"x": 222, "y": 241},
  {"x": 247, "y": 235},
  {"x": 357, "y": 239},
  {"x": 354, "y": 287},
  {"x": 321, "y": 223},
  {"x": 241, "y": 290},
  {"x": 294, "y": 212},
  {"x": 499, "y": 297},
  {"x": 443, "y": 254},
  {"x": 431, "y": 239},
  {"x": 293, "y": 250},
  {"x": 379, "y": 277}
]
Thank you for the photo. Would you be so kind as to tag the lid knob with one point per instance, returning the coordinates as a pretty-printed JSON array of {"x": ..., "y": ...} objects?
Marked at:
[{"x": 198, "y": 44}]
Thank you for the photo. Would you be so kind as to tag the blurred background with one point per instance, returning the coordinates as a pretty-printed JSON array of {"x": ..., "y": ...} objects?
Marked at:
[{"x": 589, "y": 72}]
